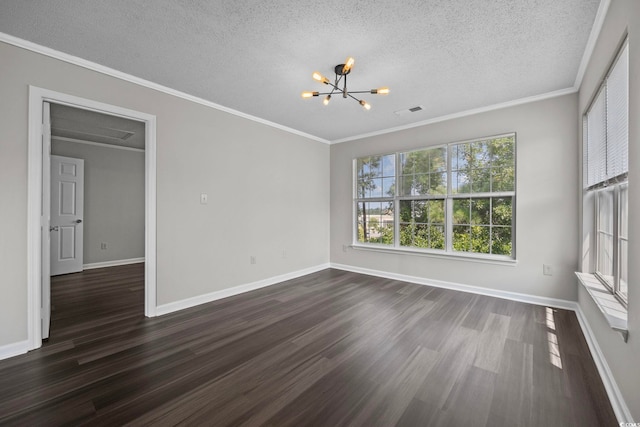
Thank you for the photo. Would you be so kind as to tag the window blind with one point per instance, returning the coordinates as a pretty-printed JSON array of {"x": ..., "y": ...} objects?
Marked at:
[
  {"x": 618, "y": 117},
  {"x": 597, "y": 140},
  {"x": 606, "y": 131}
]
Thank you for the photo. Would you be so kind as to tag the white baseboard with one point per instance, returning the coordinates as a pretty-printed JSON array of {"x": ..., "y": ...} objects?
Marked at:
[
  {"x": 514, "y": 296},
  {"x": 618, "y": 404},
  {"x": 225, "y": 293},
  {"x": 112, "y": 263},
  {"x": 14, "y": 349},
  {"x": 615, "y": 396}
]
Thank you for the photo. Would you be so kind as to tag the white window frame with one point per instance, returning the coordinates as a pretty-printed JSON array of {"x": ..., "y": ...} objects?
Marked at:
[
  {"x": 594, "y": 191},
  {"x": 613, "y": 282},
  {"x": 448, "y": 198}
]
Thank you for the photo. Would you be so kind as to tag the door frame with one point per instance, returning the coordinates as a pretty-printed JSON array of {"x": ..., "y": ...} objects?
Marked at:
[{"x": 36, "y": 192}]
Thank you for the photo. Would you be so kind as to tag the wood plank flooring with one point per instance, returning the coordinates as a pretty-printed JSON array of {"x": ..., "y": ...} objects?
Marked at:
[{"x": 329, "y": 349}]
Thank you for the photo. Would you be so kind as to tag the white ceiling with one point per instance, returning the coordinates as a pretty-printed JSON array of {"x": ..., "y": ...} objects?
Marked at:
[
  {"x": 256, "y": 57},
  {"x": 76, "y": 124}
]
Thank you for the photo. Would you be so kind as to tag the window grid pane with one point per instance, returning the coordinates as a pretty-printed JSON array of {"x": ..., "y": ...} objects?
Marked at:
[
  {"x": 604, "y": 236},
  {"x": 483, "y": 225},
  {"x": 375, "y": 222},
  {"x": 623, "y": 241},
  {"x": 375, "y": 177},
  {"x": 422, "y": 223},
  {"x": 423, "y": 172},
  {"x": 483, "y": 166}
]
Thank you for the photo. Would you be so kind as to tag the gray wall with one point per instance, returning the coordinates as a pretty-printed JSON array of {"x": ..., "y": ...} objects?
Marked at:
[
  {"x": 622, "y": 358},
  {"x": 268, "y": 189},
  {"x": 546, "y": 200},
  {"x": 113, "y": 200}
]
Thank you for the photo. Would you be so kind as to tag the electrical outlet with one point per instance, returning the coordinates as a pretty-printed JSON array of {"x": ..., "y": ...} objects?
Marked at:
[
  {"x": 103, "y": 246},
  {"x": 204, "y": 198},
  {"x": 547, "y": 270},
  {"x": 252, "y": 259}
]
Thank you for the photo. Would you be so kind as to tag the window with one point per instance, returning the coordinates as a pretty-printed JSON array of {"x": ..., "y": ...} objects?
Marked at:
[
  {"x": 605, "y": 174},
  {"x": 376, "y": 182},
  {"x": 453, "y": 199}
]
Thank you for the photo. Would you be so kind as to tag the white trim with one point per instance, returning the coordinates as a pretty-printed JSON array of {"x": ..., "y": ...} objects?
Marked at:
[
  {"x": 52, "y": 53},
  {"x": 461, "y": 114},
  {"x": 225, "y": 293},
  {"x": 14, "y": 349},
  {"x": 113, "y": 263},
  {"x": 97, "y": 144},
  {"x": 618, "y": 404},
  {"x": 620, "y": 408},
  {"x": 34, "y": 200},
  {"x": 613, "y": 392},
  {"x": 457, "y": 256},
  {"x": 613, "y": 311},
  {"x": 34, "y": 191},
  {"x": 591, "y": 41},
  {"x": 513, "y": 296},
  {"x": 150, "y": 232},
  {"x": 25, "y": 44}
]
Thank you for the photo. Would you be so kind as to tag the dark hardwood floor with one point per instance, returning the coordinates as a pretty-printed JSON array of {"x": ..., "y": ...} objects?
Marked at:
[{"x": 329, "y": 349}]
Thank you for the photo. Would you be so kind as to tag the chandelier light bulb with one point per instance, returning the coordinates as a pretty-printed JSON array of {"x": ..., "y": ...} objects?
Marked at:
[
  {"x": 326, "y": 100},
  {"x": 348, "y": 64},
  {"x": 309, "y": 94},
  {"x": 365, "y": 104},
  {"x": 319, "y": 77},
  {"x": 380, "y": 91}
]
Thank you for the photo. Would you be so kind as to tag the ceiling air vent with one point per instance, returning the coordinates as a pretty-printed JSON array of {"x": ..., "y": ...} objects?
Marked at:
[{"x": 409, "y": 110}]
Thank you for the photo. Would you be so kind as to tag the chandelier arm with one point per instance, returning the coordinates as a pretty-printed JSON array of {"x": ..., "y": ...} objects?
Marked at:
[
  {"x": 359, "y": 91},
  {"x": 353, "y": 97},
  {"x": 333, "y": 86}
]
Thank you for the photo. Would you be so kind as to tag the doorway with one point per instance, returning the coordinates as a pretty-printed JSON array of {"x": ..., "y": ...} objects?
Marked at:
[{"x": 39, "y": 193}]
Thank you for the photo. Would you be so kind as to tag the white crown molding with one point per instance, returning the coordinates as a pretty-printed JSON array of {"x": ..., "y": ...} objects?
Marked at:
[
  {"x": 97, "y": 144},
  {"x": 43, "y": 50},
  {"x": 114, "y": 263},
  {"x": 25, "y": 44},
  {"x": 236, "y": 290},
  {"x": 591, "y": 41},
  {"x": 461, "y": 114}
]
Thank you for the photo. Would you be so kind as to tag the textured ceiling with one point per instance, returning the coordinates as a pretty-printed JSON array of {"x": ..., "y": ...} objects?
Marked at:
[{"x": 258, "y": 56}]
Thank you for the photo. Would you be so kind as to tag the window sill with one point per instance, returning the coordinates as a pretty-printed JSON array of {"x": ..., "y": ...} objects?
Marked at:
[
  {"x": 610, "y": 307},
  {"x": 450, "y": 256}
]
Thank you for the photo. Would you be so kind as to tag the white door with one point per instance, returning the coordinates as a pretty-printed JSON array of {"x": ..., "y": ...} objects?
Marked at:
[{"x": 67, "y": 211}]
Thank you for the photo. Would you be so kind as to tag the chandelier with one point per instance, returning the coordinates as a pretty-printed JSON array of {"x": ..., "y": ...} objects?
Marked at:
[{"x": 341, "y": 71}]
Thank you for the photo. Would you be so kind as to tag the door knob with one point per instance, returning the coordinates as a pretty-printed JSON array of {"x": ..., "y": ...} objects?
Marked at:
[{"x": 78, "y": 221}]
